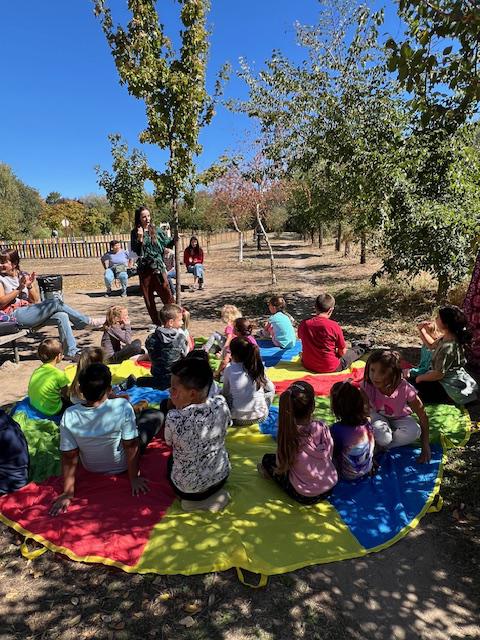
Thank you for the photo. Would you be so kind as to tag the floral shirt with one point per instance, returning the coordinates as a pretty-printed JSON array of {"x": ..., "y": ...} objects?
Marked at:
[{"x": 197, "y": 436}]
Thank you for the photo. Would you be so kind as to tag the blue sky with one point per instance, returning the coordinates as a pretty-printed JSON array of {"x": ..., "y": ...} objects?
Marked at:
[{"x": 60, "y": 91}]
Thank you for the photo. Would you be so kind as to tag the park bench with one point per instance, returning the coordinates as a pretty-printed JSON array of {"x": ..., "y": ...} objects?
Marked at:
[{"x": 12, "y": 338}]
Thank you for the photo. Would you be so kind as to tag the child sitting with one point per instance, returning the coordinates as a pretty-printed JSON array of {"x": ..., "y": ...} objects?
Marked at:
[
  {"x": 229, "y": 314},
  {"x": 101, "y": 432},
  {"x": 249, "y": 393},
  {"x": 14, "y": 458},
  {"x": 392, "y": 400},
  {"x": 243, "y": 328},
  {"x": 117, "y": 340},
  {"x": 165, "y": 345},
  {"x": 196, "y": 429},
  {"x": 90, "y": 355},
  {"x": 279, "y": 326},
  {"x": 48, "y": 386},
  {"x": 447, "y": 380},
  {"x": 353, "y": 440},
  {"x": 323, "y": 346},
  {"x": 303, "y": 465}
]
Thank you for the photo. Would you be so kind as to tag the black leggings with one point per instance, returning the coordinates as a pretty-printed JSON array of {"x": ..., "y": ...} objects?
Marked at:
[
  {"x": 129, "y": 350},
  {"x": 194, "y": 497},
  {"x": 269, "y": 463},
  {"x": 352, "y": 354},
  {"x": 149, "y": 423},
  {"x": 431, "y": 392}
]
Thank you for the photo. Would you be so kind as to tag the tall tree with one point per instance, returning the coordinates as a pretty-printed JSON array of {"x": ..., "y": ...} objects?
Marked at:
[
  {"x": 172, "y": 85},
  {"x": 10, "y": 204},
  {"x": 438, "y": 60}
]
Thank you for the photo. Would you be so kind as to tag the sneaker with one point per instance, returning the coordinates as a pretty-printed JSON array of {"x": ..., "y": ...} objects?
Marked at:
[
  {"x": 96, "y": 323},
  {"x": 200, "y": 283},
  {"x": 214, "y": 503},
  {"x": 127, "y": 384},
  {"x": 73, "y": 357},
  {"x": 124, "y": 294},
  {"x": 108, "y": 293}
]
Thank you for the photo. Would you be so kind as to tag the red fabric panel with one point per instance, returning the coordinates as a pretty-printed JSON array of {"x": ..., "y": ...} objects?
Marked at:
[
  {"x": 104, "y": 518},
  {"x": 322, "y": 383},
  {"x": 144, "y": 363}
]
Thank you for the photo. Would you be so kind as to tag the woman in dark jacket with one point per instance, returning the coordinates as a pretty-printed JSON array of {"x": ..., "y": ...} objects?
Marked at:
[{"x": 149, "y": 244}]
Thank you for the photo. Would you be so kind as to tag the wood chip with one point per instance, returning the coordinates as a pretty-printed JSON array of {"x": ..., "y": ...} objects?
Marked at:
[{"x": 187, "y": 622}]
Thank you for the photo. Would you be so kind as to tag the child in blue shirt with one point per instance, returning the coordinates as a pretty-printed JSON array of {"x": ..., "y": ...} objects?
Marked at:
[
  {"x": 353, "y": 437},
  {"x": 279, "y": 325}
]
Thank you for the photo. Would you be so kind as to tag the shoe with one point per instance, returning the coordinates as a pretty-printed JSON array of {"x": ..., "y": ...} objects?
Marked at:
[
  {"x": 124, "y": 294},
  {"x": 191, "y": 288},
  {"x": 214, "y": 503},
  {"x": 96, "y": 323},
  {"x": 127, "y": 384},
  {"x": 74, "y": 357},
  {"x": 200, "y": 284},
  {"x": 108, "y": 293},
  {"x": 262, "y": 471}
]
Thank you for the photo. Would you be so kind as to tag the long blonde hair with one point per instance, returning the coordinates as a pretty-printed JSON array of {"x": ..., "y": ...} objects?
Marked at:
[
  {"x": 297, "y": 403},
  {"x": 113, "y": 315},
  {"x": 90, "y": 355}
]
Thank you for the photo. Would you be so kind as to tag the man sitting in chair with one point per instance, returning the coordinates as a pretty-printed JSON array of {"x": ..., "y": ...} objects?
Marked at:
[{"x": 116, "y": 263}]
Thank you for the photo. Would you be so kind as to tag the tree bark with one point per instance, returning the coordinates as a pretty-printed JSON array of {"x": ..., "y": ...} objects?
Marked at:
[
  {"x": 347, "y": 248},
  {"x": 312, "y": 235},
  {"x": 442, "y": 289},
  {"x": 363, "y": 248},
  {"x": 270, "y": 250},
  {"x": 178, "y": 277},
  {"x": 338, "y": 240},
  {"x": 320, "y": 235},
  {"x": 240, "y": 239}
]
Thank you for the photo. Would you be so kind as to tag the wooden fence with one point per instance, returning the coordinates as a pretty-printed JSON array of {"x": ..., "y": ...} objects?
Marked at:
[{"x": 97, "y": 246}]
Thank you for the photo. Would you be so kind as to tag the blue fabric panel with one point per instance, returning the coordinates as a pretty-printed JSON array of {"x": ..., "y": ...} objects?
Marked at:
[
  {"x": 270, "y": 424},
  {"x": 32, "y": 413},
  {"x": 377, "y": 508},
  {"x": 152, "y": 396},
  {"x": 271, "y": 355}
]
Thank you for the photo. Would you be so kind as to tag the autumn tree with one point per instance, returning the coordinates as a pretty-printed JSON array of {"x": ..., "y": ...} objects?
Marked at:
[{"x": 172, "y": 85}]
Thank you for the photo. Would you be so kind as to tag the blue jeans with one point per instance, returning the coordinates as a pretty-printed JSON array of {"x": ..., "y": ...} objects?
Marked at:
[
  {"x": 196, "y": 269},
  {"x": 53, "y": 311},
  {"x": 171, "y": 275},
  {"x": 109, "y": 277}
]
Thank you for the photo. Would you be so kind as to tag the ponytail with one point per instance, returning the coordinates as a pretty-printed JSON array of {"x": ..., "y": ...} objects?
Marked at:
[
  {"x": 296, "y": 403},
  {"x": 248, "y": 354}
]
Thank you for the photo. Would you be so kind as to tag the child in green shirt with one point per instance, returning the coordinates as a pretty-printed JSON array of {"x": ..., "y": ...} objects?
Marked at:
[{"x": 48, "y": 385}]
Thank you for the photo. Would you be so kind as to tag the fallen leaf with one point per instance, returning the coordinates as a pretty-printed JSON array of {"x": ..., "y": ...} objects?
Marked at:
[
  {"x": 164, "y": 596},
  {"x": 74, "y": 601},
  {"x": 192, "y": 607},
  {"x": 187, "y": 622},
  {"x": 138, "y": 614},
  {"x": 75, "y": 620}
]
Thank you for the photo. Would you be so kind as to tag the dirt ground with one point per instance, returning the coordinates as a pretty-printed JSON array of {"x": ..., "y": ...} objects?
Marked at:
[{"x": 425, "y": 586}]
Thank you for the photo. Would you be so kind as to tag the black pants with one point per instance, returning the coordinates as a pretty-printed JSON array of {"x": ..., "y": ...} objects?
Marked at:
[
  {"x": 194, "y": 497},
  {"x": 129, "y": 350},
  {"x": 352, "y": 354},
  {"x": 150, "y": 381},
  {"x": 149, "y": 423},
  {"x": 269, "y": 463},
  {"x": 431, "y": 392}
]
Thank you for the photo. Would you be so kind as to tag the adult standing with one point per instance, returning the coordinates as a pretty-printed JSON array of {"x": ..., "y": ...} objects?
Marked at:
[
  {"x": 20, "y": 300},
  {"x": 193, "y": 260},
  {"x": 116, "y": 263},
  {"x": 149, "y": 244}
]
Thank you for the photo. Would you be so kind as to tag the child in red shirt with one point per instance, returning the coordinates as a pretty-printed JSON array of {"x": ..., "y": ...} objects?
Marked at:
[{"x": 324, "y": 349}]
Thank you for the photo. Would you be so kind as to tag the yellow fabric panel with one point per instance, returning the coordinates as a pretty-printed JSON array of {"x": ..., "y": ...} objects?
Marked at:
[
  {"x": 119, "y": 371},
  {"x": 246, "y": 534},
  {"x": 294, "y": 370}
]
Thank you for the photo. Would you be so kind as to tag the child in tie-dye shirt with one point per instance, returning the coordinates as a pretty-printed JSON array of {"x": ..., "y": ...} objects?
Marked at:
[{"x": 353, "y": 434}]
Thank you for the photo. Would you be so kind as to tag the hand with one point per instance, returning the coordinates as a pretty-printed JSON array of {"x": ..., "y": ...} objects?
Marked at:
[
  {"x": 140, "y": 233},
  {"x": 60, "y": 505},
  {"x": 426, "y": 455},
  {"x": 139, "y": 486},
  {"x": 30, "y": 279},
  {"x": 22, "y": 281}
]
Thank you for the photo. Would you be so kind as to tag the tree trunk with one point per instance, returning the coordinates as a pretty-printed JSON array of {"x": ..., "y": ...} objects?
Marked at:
[
  {"x": 320, "y": 235},
  {"x": 442, "y": 289},
  {"x": 338, "y": 240},
  {"x": 270, "y": 250},
  {"x": 312, "y": 235},
  {"x": 240, "y": 239},
  {"x": 178, "y": 277},
  {"x": 363, "y": 248},
  {"x": 347, "y": 248}
]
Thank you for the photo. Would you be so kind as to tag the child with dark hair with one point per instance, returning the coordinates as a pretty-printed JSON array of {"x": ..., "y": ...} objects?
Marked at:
[
  {"x": 303, "y": 465},
  {"x": 101, "y": 432},
  {"x": 196, "y": 430},
  {"x": 279, "y": 326},
  {"x": 14, "y": 458},
  {"x": 353, "y": 438},
  {"x": 88, "y": 356},
  {"x": 324, "y": 349},
  {"x": 447, "y": 380},
  {"x": 392, "y": 401},
  {"x": 244, "y": 328},
  {"x": 248, "y": 391},
  {"x": 48, "y": 386}
]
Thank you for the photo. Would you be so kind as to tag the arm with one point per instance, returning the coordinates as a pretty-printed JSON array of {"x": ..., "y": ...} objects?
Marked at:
[
  {"x": 105, "y": 261},
  {"x": 423, "y": 330},
  {"x": 417, "y": 406},
  {"x": 430, "y": 376},
  {"x": 69, "y": 469},
  {"x": 8, "y": 298},
  {"x": 341, "y": 344},
  {"x": 139, "y": 485},
  {"x": 226, "y": 393}
]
